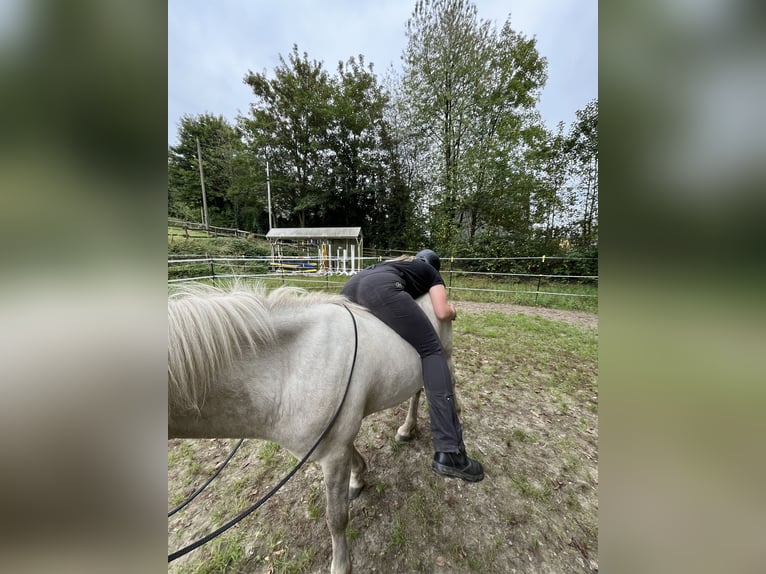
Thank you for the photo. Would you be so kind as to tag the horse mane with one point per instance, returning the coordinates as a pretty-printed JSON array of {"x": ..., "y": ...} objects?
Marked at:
[
  {"x": 210, "y": 327},
  {"x": 295, "y": 296}
]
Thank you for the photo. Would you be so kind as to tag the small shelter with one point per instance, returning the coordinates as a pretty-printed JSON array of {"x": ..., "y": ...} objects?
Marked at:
[{"x": 331, "y": 250}]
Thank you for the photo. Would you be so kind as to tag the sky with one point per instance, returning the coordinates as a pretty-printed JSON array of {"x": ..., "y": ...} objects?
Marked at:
[{"x": 213, "y": 44}]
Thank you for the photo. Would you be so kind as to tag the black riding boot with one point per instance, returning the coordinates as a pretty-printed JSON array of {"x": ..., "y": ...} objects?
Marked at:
[{"x": 457, "y": 465}]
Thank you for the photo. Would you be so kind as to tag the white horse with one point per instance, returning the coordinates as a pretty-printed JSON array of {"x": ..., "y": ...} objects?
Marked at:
[{"x": 244, "y": 363}]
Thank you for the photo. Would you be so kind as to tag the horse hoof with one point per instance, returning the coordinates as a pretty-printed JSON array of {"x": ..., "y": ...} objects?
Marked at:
[
  {"x": 353, "y": 493},
  {"x": 403, "y": 438}
]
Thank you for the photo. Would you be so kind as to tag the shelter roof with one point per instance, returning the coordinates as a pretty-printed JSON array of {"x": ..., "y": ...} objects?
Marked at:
[{"x": 314, "y": 233}]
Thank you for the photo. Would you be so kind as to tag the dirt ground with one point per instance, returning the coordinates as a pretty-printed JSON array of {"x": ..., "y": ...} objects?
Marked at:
[{"x": 536, "y": 511}]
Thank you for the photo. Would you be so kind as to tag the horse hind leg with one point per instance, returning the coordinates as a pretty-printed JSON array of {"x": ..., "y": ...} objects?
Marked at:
[
  {"x": 451, "y": 366},
  {"x": 358, "y": 466},
  {"x": 406, "y": 432}
]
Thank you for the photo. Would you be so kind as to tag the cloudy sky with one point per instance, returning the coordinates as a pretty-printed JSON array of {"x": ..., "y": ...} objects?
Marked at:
[{"x": 213, "y": 44}]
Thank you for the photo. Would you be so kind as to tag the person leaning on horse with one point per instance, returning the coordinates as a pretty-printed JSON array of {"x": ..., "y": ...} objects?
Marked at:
[{"x": 389, "y": 291}]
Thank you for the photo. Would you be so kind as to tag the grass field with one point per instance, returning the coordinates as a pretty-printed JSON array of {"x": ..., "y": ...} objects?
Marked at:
[
  {"x": 180, "y": 231},
  {"x": 556, "y": 294},
  {"x": 566, "y": 296}
]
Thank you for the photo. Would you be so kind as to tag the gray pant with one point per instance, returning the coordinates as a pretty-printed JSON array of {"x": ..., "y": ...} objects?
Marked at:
[{"x": 380, "y": 289}]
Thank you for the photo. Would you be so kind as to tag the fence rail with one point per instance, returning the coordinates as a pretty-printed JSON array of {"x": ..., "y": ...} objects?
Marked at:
[
  {"x": 210, "y": 230},
  {"x": 527, "y": 287}
]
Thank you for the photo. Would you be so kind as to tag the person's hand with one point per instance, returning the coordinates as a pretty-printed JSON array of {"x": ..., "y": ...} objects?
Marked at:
[{"x": 454, "y": 311}]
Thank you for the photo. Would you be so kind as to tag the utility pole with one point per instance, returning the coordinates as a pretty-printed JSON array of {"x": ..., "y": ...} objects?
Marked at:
[
  {"x": 202, "y": 180},
  {"x": 268, "y": 192}
]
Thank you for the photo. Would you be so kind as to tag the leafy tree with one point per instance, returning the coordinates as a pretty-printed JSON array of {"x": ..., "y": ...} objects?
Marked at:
[
  {"x": 582, "y": 145},
  {"x": 410, "y": 159},
  {"x": 289, "y": 128},
  {"x": 227, "y": 175},
  {"x": 469, "y": 89},
  {"x": 367, "y": 175},
  {"x": 332, "y": 153},
  {"x": 549, "y": 163},
  {"x": 356, "y": 175}
]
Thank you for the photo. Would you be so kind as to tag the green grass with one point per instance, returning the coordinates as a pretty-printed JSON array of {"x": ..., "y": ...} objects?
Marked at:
[
  {"x": 181, "y": 452},
  {"x": 541, "y": 493},
  {"x": 577, "y": 296},
  {"x": 176, "y": 499},
  {"x": 583, "y": 297},
  {"x": 268, "y": 453},
  {"x": 184, "y": 457},
  {"x": 541, "y": 350},
  {"x": 315, "y": 501},
  {"x": 351, "y": 532},
  {"x": 228, "y": 551},
  {"x": 174, "y": 231},
  {"x": 519, "y": 435},
  {"x": 278, "y": 558},
  {"x": 200, "y": 245},
  {"x": 398, "y": 535}
]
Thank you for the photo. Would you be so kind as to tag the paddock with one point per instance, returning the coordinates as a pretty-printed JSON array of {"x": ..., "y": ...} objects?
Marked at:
[{"x": 527, "y": 383}]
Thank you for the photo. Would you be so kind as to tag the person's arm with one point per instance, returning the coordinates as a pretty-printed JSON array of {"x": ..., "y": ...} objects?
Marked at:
[{"x": 444, "y": 310}]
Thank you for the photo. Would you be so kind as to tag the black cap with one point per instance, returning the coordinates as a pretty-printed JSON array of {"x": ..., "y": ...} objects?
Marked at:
[{"x": 429, "y": 257}]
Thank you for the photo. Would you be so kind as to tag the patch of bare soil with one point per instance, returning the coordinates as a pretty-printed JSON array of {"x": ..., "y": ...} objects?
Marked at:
[{"x": 535, "y": 511}]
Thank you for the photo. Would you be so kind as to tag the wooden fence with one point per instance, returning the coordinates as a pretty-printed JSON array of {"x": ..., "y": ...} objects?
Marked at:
[{"x": 210, "y": 230}]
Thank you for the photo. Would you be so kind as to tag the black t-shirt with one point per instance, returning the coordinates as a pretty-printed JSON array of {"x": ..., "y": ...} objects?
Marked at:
[{"x": 418, "y": 276}]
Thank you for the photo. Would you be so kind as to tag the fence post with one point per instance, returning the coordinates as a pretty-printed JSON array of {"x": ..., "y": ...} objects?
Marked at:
[
  {"x": 449, "y": 288},
  {"x": 539, "y": 278},
  {"x": 537, "y": 293}
]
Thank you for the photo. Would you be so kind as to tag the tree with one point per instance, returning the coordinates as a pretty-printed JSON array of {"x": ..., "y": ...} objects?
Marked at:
[
  {"x": 582, "y": 146},
  {"x": 549, "y": 163},
  {"x": 367, "y": 175},
  {"x": 289, "y": 128},
  {"x": 228, "y": 181},
  {"x": 332, "y": 153},
  {"x": 356, "y": 176},
  {"x": 469, "y": 89}
]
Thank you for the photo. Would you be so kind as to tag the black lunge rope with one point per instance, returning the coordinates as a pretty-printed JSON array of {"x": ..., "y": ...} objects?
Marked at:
[
  {"x": 194, "y": 494},
  {"x": 254, "y": 507}
]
